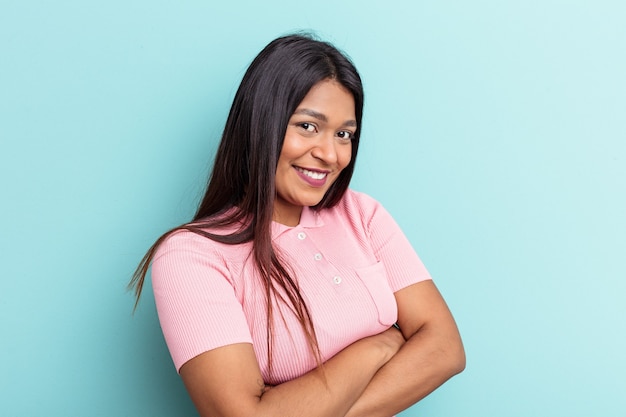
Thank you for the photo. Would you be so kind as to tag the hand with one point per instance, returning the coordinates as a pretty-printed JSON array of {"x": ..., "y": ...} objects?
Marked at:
[{"x": 391, "y": 340}]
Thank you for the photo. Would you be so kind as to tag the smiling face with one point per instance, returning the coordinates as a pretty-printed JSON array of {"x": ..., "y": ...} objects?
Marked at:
[{"x": 317, "y": 147}]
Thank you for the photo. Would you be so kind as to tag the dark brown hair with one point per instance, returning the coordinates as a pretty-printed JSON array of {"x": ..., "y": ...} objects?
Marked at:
[{"x": 242, "y": 183}]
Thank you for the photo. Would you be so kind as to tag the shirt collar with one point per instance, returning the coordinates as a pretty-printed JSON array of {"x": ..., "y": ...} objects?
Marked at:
[{"x": 308, "y": 219}]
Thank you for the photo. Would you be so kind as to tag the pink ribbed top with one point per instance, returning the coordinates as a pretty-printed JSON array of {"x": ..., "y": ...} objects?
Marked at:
[{"x": 348, "y": 260}]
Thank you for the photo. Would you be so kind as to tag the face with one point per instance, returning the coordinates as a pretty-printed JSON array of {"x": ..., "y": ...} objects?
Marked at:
[{"x": 317, "y": 147}]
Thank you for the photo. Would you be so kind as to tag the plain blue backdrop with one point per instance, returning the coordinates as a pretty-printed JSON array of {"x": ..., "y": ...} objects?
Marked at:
[{"x": 494, "y": 133}]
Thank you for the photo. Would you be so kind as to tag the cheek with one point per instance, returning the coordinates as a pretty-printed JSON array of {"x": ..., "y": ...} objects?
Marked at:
[
  {"x": 293, "y": 148},
  {"x": 345, "y": 156}
]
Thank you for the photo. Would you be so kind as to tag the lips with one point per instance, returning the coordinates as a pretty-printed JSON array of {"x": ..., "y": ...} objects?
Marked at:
[
  {"x": 316, "y": 175},
  {"x": 313, "y": 178}
]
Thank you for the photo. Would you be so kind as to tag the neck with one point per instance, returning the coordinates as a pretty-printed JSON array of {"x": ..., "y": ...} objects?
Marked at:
[{"x": 289, "y": 218}]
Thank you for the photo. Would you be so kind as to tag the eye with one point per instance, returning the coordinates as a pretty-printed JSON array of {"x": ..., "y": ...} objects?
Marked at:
[
  {"x": 308, "y": 127},
  {"x": 345, "y": 136}
]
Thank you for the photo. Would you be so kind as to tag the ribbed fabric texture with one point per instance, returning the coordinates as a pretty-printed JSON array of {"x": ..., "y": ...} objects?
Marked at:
[{"x": 348, "y": 260}]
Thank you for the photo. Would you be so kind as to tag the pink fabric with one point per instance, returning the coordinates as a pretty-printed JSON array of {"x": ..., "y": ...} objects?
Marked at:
[{"x": 348, "y": 260}]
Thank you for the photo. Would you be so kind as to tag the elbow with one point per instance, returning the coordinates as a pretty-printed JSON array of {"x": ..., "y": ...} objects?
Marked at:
[
  {"x": 450, "y": 357},
  {"x": 456, "y": 359},
  {"x": 459, "y": 361}
]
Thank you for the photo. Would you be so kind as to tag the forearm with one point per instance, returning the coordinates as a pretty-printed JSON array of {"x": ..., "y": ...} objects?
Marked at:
[
  {"x": 424, "y": 362},
  {"x": 226, "y": 382},
  {"x": 326, "y": 393}
]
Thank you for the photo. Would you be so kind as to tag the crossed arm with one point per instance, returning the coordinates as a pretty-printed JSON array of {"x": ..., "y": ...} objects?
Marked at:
[
  {"x": 433, "y": 353},
  {"x": 376, "y": 376}
]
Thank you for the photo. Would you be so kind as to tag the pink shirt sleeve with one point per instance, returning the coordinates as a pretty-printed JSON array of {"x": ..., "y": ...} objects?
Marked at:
[
  {"x": 391, "y": 247},
  {"x": 196, "y": 302}
]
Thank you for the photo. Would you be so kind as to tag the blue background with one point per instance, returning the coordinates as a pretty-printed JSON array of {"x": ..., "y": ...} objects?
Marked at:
[{"x": 494, "y": 133}]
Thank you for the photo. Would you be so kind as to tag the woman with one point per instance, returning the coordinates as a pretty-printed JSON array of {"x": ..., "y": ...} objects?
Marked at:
[{"x": 289, "y": 294}]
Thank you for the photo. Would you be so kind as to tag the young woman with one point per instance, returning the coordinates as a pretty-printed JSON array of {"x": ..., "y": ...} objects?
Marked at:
[{"x": 290, "y": 294}]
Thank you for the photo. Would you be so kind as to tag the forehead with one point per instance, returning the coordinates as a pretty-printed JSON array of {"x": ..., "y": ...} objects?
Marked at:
[{"x": 329, "y": 99}]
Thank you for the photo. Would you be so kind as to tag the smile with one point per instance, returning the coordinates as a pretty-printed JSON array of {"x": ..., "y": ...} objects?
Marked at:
[{"x": 316, "y": 175}]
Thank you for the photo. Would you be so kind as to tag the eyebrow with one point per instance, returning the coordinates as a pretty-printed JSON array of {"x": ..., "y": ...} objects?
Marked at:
[{"x": 322, "y": 117}]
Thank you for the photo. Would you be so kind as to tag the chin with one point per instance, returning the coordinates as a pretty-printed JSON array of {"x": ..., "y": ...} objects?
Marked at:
[
  {"x": 315, "y": 201},
  {"x": 311, "y": 203}
]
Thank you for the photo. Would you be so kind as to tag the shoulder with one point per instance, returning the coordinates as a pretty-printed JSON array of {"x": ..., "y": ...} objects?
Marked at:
[
  {"x": 358, "y": 198},
  {"x": 182, "y": 244},
  {"x": 184, "y": 241},
  {"x": 357, "y": 202},
  {"x": 189, "y": 260},
  {"x": 361, "y": 206}
]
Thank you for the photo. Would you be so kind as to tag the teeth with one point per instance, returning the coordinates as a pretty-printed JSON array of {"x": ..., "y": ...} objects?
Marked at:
[{"x": 313, "y": 174}]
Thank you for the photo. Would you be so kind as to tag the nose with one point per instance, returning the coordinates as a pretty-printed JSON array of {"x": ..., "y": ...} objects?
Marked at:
[{"x": 325, "y": 149}]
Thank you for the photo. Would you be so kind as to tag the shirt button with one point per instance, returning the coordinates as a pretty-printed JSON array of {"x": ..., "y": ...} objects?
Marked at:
[
  {"x": 317, "y": 257},
  {"x": 301, "y": 235},
  {"x": 337, "y": 280}
]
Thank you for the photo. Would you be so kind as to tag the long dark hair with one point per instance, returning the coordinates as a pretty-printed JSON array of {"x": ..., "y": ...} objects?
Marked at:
[{"x": 242, "y": 183}]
